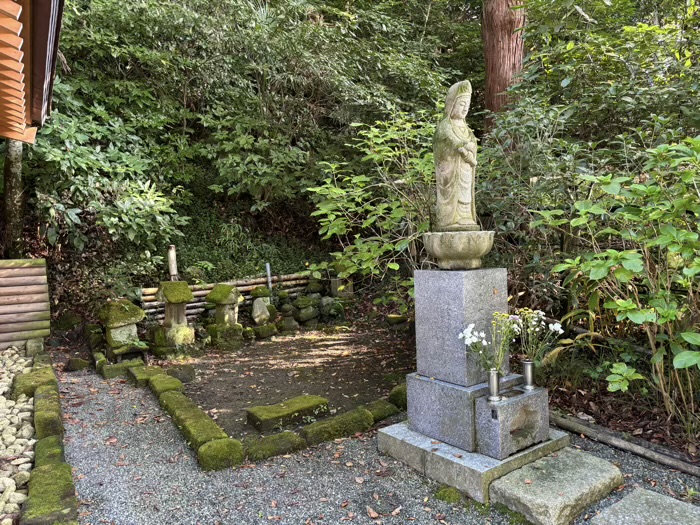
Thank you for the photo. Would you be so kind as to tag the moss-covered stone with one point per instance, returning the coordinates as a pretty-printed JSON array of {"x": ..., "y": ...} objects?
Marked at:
[
  {"x": 139, "y": 375},
  {"x": 121, "y": 336},
  {"x": 381, "y": 409},
  {"x": 67, "y": 321},
  {"x": 265, "y": 331},
  {"x": 315, "y": 287},
  {"x": 272, "y": 311},
  {"x": 304, "y": 302},
  {"x": 197, "y": 427},
  {"x": 224, "y": 294},
  {"x": 449, "y": 495},
  {"x": 76, "y": 364},
  {"x": 164, "y": 352},
  {"x": 185, "y": 373},
  {"x": 100, "y": 361},
  {"x": 180, "y": 336},
  {"x": 161, "y": 383},
  {"x": 515, "y": 518},
  {"x": 120, "y": 313},
  {"x": 344, "y": 425},
  {"x": 287, "y": 310},
  {"x": 48, "y": 420},
  {"x": 51, "y": 498},
  {"x": 28, "y": 383},
  {"x": 283, "y": 295},
  {"x": 41, "y": 361},
  {"x": 291, "y": 411},
  {"x": 287, "y": 442},
  {"x": 311, "y": 324},
  {"x": 260, "y": 291},
  {"x": 307, "y": 314},
  {"x": 49, "y": 450},
  {"x": 175, "y": 292},
  {"x": 226, "y": 337},
  {"x": 398, "y": 398},
  {"x": 120, "y": 369},
  {"x": 92, "y": 334},
  {"x": 248, "y": 333},
  {"x": 220, "y": 454}
]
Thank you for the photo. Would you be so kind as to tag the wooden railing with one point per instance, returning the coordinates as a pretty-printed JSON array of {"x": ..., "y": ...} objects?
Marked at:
[
  {"x": 294, "y": 284},
  {"x": 24, "y": 301}
]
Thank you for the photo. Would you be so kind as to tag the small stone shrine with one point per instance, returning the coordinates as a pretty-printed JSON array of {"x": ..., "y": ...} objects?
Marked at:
[
  {"x": 455, "y": 433},
  {"x": 175, "y": 330},
  {"x": 119, "y": 320},
  {"x": 226, "y": 331}
]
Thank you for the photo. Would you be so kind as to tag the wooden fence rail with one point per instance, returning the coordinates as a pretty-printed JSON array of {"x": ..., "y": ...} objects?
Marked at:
[
  {"x": 24, "y": 301},
  {"x": 294, "y": 284}
]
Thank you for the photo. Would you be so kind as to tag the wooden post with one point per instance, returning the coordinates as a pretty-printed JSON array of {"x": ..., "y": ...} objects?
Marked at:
[{"x": 172, "y": 263}]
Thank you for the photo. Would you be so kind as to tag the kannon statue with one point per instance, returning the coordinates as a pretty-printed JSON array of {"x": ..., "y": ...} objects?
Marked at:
[{"x": 455, "y": 162}]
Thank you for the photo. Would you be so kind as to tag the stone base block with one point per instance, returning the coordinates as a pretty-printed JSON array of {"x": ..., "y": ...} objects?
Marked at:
[
  {"x": 644, "y": 507},
  {"x": 446, "y": 412},
  {"x": 556, "y": 489},
  {"x": 469, "y": 472},
  {"x": 122, "y": 336},
  {"x": 518, "y": 421},
  {"x": 446, "y": 303}
]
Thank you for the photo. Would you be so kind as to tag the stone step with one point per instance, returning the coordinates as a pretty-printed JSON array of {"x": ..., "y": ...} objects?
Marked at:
[
  {"x": 288, "y": 412},
  {"x": 557, "y": 488},
  {"x": 644, "y": 507}
]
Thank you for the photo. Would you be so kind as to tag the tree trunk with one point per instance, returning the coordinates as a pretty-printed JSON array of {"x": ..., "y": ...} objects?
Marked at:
[
  {"x": 501, "y": 31},
  {"x": 14, "y": 202}
]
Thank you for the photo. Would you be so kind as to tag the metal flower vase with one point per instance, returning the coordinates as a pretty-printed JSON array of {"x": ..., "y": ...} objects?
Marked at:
[
  {"x": 528, "y": 374},
  {"x": 494, "y": 384}
]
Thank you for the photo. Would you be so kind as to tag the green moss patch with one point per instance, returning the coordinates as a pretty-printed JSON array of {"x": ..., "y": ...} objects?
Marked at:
[
  {"x": 226, "y": 337},
  {"x": 304, "y": 302},
  {"x": 120, "y": 369},
  {"x": 76, "y": 364},
  {"x": 265, "y": 331},
  {"x": 164, "y": 383},
  {"x": 49, "y": 450},
  {"x": 220, "y": 454},
  {"x": 286, "y": 413},
  {"x": 92, "y": 334},
  {"x": 28, "y": 383},
  {"x": 139, "y": 375},
  {"x": 51, "y": 498},
  {"x": 515, "y": 518},
  {"x": 315, "y": 287},
  {"x": 100, "y": 361},
  {"x": 197, "y": 427},
  {"x": 348, "y": 424},
  {"x": 398, "y": 398},
  {"x": 120, "y": 313},
  {"x": 381, "y": 409},
  {"x": 47, "y": 412},
  {"x": 260, "y": 291},
  {"x": 41, "y": 361},
  {"x": 224, "y": 294},
  {"x": 449, "y": 495},
  {"x": 175, "y": 292},
  {"x": 275, "y": 445}
]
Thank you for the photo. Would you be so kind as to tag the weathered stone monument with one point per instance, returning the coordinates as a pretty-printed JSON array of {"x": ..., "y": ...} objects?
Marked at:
[
  {"x": 225, "y": 331},
  {"x": 454, "y": 433},
  {"x": 119, "y": 320},
  {"x": 458, "y": 432},
  {"x": 175, "y": 331}
]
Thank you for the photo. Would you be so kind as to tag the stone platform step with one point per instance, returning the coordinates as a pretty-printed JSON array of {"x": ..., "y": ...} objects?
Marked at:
[
  {"x": 554, "y": 490},
  {"x": 644, "y": 507},
  {"x": 469, "y": 472}
]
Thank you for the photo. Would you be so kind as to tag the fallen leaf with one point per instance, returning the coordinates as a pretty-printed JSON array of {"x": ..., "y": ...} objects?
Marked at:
[
  {"x": 396, "y": 511},
  {"x": 372, "y": 513},
  {"x": 528, "y": 482},
  {"x": 359, "y": 480}
]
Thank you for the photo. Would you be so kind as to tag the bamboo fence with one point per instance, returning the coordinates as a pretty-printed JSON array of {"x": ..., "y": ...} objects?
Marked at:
[
  {"x": 294, "y": 284},
  {"x": 24, "y": 301}
]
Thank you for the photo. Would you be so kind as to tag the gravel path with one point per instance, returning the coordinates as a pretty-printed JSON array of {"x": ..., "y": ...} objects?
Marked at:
[{"x": 132, "y": 467}]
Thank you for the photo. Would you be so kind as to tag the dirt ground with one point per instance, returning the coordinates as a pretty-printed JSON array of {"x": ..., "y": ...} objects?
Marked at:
[{"x": 350, "y": 368}]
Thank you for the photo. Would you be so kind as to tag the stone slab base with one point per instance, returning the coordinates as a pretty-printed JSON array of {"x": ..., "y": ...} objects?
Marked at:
[
  {"x": 469, "y": 472},
  {"x": 644, "y": 507},
  {"x": 555, "y": 489}
]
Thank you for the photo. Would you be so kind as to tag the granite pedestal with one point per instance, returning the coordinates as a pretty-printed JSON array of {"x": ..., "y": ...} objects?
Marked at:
[
  {"x": 446, "y": 303},
  {"x": 445, "y": 411}
]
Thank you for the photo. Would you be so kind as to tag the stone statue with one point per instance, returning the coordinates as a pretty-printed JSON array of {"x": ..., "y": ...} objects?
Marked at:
[
  {"x": 455, "y": 161},
  {"x": 456, "y": 241}
]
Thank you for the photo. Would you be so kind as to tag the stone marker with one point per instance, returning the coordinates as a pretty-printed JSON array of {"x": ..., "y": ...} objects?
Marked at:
[
  {"x": 119, "y": 319},
  {"x": 175, "y": 330},
  {"x": 557, "y": 488},
  {"x": 261, "y": 315},
  {"x": 644, "y": 507},
  {"x": 226, "y": 297}
]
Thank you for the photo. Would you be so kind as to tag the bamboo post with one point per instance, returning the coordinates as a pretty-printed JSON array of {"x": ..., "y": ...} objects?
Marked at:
[{"x": 268, "y": 270}]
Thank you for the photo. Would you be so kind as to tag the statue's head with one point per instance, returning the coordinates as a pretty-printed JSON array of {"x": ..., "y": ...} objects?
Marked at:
[{"x": 459, "y": 98}]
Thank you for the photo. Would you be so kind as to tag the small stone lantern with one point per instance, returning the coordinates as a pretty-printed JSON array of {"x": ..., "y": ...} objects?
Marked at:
[
  {"x": 176, "y": 295},
  {"x": 226, "y": 297}
]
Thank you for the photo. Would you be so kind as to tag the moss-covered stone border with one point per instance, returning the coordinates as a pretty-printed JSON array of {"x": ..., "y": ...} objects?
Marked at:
[{"x": 51, "y": 499}]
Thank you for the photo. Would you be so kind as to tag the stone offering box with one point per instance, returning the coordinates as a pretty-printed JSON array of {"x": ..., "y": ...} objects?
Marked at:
[{"x": 448, "y": 405}]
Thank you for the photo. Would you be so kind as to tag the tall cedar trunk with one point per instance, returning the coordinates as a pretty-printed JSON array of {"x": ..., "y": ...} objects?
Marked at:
[
  {"x": 14, "y": 202},
  {"x": 501, "y": 31}
]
